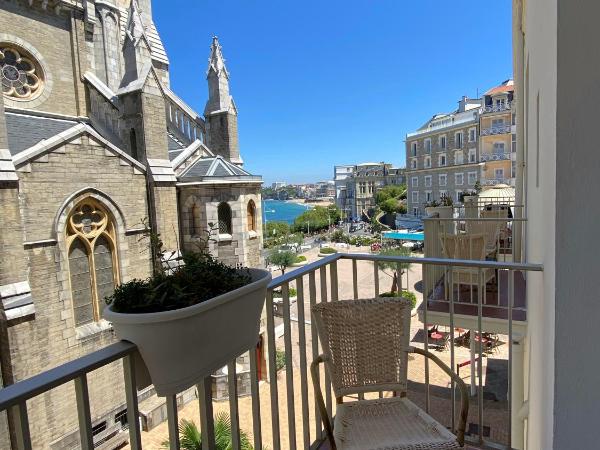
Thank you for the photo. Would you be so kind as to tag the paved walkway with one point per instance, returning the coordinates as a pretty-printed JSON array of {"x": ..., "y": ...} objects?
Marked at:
[{"x": 495, "y": 416}]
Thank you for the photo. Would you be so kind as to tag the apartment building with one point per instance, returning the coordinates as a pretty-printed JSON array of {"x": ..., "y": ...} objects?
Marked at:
[
  {"x": 442, "y": 157},
  {"x": 356, "y": 186},
  {"x": 497, "y": 136}
]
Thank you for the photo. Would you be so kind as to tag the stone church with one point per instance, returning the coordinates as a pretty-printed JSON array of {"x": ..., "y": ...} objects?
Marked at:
[{"x": 95, "y": 148}]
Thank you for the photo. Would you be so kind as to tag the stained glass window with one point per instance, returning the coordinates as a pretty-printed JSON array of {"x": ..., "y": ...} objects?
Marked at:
[
  {"x": 224, "y": 214},
  {"x": 20, "y": 75}
]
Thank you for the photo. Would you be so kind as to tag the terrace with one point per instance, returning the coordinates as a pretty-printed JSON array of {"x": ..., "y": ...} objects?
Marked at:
[{"x": 282, "y": 408}]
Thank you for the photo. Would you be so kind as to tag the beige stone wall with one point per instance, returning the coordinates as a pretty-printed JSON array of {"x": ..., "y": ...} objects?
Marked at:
[
  {"x": 47, "y": 35},
  {"x": 50, "y": 186},
  {"x": 244, "y": 246}
]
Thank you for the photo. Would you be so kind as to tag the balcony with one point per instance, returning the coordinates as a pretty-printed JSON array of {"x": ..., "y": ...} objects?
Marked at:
[
  {"x": 491, "y": 131},
  {"x": 495, "y": 157},
  {"x": 281, "y": 413},
  {"x": 495, "y": 181},
  {"x": 497, "y": 108}
]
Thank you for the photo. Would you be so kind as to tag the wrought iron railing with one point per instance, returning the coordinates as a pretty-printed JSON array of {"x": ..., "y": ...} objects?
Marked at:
[
  {"x": 500, "y": 107},
  {"x": 315, "y": 282},
  {"x": 499, "y": 129},
  {"x": 494, "y": 157}
]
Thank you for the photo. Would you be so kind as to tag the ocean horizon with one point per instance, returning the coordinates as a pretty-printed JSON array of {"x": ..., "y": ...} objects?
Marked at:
[{"x": 282, "y": 211}]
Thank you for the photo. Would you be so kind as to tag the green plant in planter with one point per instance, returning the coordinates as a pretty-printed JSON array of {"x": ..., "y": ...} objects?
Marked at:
[
  {"x": 410, "y": 296},
  {"x": 300, "y": 258},
  {"x": 200, "y": 278},
  {"x": 432, "y": 204},
  {"x": 446, "y": 200},
  {"x": 327, "y": 251}
]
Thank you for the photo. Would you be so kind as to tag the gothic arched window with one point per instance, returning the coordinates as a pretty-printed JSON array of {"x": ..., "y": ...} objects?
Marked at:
[
  {"x": 20, "y": 74},
  {"x": 251, "y": 215},
  {"x": 93, "y": 262},
  {"x": 224, "y": 215},
  {"x": 195, "y": 220}
]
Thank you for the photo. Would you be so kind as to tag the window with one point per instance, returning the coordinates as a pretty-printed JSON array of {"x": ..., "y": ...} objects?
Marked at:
[
  {"x": 413, "y": 164},
  {"x": 195, "y": 228},
  {"x": 458, "y": 157},
  {"x": 427, "y": 162},
  {"x": 20, "y": 75},
  {"x": 442, "y": 160},
  {"x": 415, "y": 211},
  {"x": 498, "y": 148},
  {"x": 514, "y": 143},
  {"x": 133, "y": 144},
  {"x": 458, "y": 140},
  {"x": 414, "y": 182},
  {"x": 443, "y": 194},
  {"x": 443, "y": 179},
  {"x": 415, "y": 196},
  {"x": 497, "y": 123},
  {"x": 371, "y": 187},
  {"x": 428, "y": 196},
  {"x": 93, "y": 270},
  {"x": 499, "y": 174},
  {"x": 413, "y": 148},
  {"x": 442, "y": 142},
  {"x": 472, "y": 178},
  {"x": 458, "y": 196},
  {"x": 251, "y": 215},
  {"x": 362, "y": 187},
  {"x": 224, "y": 216},
  {"x": 472, "y": 155},
  {"x": 427, "y": 180},
  {"x": 472, "y": 134},
  {"x": 458, "y": 179},
  {"x": 427, "y": 145}
]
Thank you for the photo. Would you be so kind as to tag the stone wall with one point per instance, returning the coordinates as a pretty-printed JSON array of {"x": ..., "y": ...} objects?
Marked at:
[{"x": 49, "y": 187}]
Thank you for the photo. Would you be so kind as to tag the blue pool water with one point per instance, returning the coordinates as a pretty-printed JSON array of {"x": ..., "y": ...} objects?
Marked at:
[
  {"x": 404, "y": 236},
  {"x": 281, "y": 211}
]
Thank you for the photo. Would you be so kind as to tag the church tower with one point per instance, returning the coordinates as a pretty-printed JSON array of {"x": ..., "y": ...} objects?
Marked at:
[{"x": 220, "y": 110}]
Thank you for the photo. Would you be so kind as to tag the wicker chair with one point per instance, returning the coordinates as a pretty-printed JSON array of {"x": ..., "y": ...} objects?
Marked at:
[
  {"x": 467, "y": 246},
  {"x": 365, "y": 349}
]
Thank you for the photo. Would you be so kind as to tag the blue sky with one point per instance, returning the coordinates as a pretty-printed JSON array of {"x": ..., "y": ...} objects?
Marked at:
[{"x": 319, "y": 83}]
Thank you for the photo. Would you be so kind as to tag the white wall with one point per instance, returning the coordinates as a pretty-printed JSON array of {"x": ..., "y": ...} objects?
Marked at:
[{"x": 540, "y": 79}]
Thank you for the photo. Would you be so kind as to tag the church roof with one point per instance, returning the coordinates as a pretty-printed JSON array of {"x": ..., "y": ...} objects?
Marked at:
[
  {"x": 157, "y": 49},
  {"x": 25, "y": 131},
  {"x": 176, "y": 147},
  {"x": 215, "y": 168}
]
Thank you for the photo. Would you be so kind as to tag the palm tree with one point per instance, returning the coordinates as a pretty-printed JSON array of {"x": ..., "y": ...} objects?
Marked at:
[
  {"x": 393, "y": 266},
  {"x": 190, "y": 437}
]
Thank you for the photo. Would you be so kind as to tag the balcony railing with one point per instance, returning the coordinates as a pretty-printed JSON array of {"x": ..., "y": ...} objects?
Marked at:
[
  {"x": 494, "y": 157},
  {"x": 292, "y": 420},
  {"x": 495, "y": 181},
  {"x": 501, "y": 129},
  {"x": 497, "y": 108}
]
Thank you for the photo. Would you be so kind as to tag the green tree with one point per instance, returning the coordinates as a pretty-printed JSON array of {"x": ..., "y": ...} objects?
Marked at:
[
  {"x": 394, "y": 266},
  {"x": 390, "y": 191},
  {"x": 390, "y": 206},
  {"x": 277, "y": 229},
  {"x": 282, "y": 259},
  {"x": 190, "y": 437},
  {"x": 317, "y": 218}
]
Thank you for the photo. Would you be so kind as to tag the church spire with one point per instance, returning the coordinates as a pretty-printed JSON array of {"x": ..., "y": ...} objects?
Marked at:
[
  {"x": 220, "y": 110},
  {"x": 218, "y": 81}
]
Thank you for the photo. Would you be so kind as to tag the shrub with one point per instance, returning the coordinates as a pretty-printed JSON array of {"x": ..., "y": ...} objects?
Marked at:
[
  {"x": 197, "y": 280},
  {"x": 278, "y": 294},
  {"x": 410, "y": 296},
  {"x": 327, "y": 251},
  {"x": 300, "y": 258},
  {"x": 279, "y": 359}
]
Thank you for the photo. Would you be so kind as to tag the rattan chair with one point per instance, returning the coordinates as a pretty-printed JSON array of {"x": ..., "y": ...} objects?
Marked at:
[
  {"x": 365, "y": 349},
  {"x": 467, "y": 246}
]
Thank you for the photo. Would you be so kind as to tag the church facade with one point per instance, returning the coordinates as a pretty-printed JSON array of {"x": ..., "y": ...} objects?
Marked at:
[{"x": 95, "y": 149}]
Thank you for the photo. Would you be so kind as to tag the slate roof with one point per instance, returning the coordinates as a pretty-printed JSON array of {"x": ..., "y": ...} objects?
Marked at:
[
  {"x": 175, "y": 146},
  {"x": 157, "y": 49},
  {"x": 212, "y": 168},
  {"x": 24, "y": 131}
]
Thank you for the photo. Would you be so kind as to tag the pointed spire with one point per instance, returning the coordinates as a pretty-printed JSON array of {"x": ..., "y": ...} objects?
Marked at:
[
  {"x": 135, "y": 27},
  {"x": 216, "y": 62}
]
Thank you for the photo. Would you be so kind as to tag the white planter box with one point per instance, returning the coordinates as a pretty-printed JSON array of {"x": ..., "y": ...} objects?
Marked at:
[
  {"x": 444, "y": 212},
  {"x": 182, "y": 346}
]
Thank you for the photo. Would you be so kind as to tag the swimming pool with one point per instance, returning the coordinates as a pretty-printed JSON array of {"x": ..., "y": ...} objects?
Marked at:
[{"x": 418, "y": 236}]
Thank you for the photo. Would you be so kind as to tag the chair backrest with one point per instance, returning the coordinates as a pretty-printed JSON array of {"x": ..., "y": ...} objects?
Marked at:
[
  {"x": 464, "y": 246},
  {"x": 366, "y": 342}
]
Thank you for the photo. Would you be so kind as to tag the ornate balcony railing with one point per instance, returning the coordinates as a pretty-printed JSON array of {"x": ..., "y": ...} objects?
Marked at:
[
  {"x": 494, "y": 157},
  {"x": 502, "y": 129},
  {"x": 495, "y": 181},
  {"x": 497, "y": 108},
  {"x": 320, "y": 282}
]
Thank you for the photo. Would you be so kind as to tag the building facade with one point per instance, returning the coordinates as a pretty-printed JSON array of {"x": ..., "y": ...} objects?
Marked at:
[
  {"x": 442, "y": 157},
  {"x": 498, "y": 137},
  {"x": 356, "y": 186},
  {"x": 95, "y": 149}
]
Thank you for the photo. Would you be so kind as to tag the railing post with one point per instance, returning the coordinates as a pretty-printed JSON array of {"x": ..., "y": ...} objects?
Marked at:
[
  {"x": 272, "y": 371},
  {"x": 255, "y": 392},
  {"x": 21, "y": 424},
  {"x": 83, "y": 412},
  {"x": 207, "y": 424},
  {"x": 233, "y": 404},
  {"x": 135, "y": 439},
  {"x": 173, "y": 422},
  {"x": 289, "y": 369}
]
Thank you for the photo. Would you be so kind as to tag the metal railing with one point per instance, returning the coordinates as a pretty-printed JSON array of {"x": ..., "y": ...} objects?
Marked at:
[
  {"x": 314, "y": 283},
  {"x": 494, "y": 157},
  {"x": 501, "y": 129},
  {"x": 500, "y": 107}
]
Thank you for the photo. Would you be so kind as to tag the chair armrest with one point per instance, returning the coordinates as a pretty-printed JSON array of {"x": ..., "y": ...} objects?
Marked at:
[
  {"x": 314, "y": 367},
  {"x": 464, "y": 394}
]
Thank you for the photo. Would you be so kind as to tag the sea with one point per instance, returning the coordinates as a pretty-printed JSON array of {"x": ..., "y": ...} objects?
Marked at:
[{"x": 282, "y": 211}]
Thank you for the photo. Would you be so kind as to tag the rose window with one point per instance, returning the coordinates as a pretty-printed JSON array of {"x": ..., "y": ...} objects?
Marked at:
[{"x": 20, "y": 76}]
